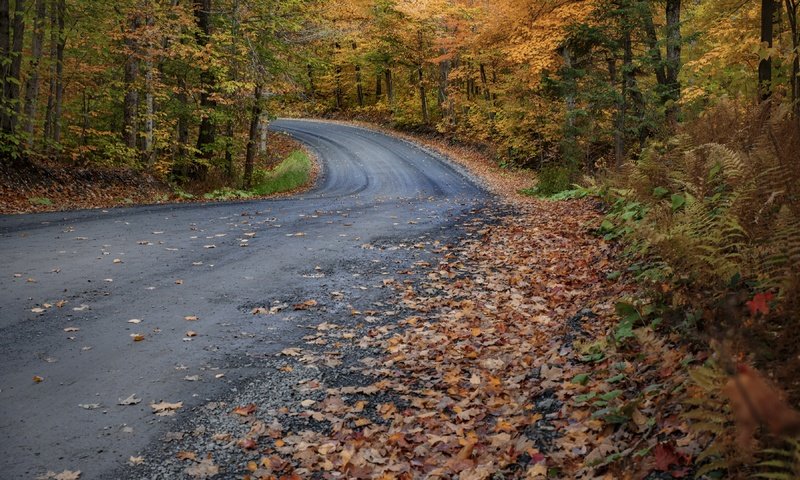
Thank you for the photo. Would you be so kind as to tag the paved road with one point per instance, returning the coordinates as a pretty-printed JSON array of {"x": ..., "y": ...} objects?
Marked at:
[{"x": 91, "y": 272}]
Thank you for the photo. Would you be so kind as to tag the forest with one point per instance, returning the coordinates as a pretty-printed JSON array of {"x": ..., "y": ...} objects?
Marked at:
[{"x": 680, "y": 119}]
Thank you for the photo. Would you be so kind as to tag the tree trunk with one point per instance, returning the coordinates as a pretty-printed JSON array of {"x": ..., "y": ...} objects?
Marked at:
[
  {"x": 791, "y": 10},
  {"x": 622, "y": 105},
  {"x": 444, "y": 78},
  {"x": 252, "y": 145},
  {"x": 423, "y": 96},
  {"x": 59, "y": 73},
  {"x": 338, "y": 77},
  {"x": 359, "y": 85},
  {"x": 389, "y": 86},
  {"x": 485, "y": 83},
  {"x": 378, "y": 88},
  {"x": 312, "y": 89},
  {"x": 206, "y": 135},
  {"x": 263, "y": 125},
  {"x": 765, "y": 65},
  {"x": 229, "y": 140},
  {"x": 12, "y": 64},
  {"x": 130, "y": 114},
  {"x": 183, "y": 119},
  {"x": 149, "y": 121},
  {"x": 651, "y": 39},
  {"x": 673, "y": 67},
  {"x": 32, "y": 84}
]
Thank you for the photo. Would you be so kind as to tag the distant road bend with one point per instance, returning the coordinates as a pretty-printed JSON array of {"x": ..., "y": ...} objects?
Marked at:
[{"x": 74, "y": 287}]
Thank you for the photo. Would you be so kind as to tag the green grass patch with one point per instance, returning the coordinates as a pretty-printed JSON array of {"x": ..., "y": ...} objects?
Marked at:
[
  {"x": 40, "y": 201},
  {"x": 292, "y": 173}
]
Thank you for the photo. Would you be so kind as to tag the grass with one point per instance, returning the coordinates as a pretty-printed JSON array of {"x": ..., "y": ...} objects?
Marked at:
[
  {"x": 290, "y": 174},
  {"x": 42, "y": 201}
]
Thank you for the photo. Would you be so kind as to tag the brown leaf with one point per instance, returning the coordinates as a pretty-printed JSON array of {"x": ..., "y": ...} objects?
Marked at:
[
  {"x": 204, "y": 469},
  {"x": 245, "y": 410}
]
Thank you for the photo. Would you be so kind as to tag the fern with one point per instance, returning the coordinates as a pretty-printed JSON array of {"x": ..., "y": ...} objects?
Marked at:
[
  {"x": 708, "y": 414},
  {"x": 780, "y": 463}
]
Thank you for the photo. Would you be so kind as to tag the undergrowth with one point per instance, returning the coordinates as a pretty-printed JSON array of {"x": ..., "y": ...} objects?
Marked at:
[
  {"x": 710, "y": 221},
  {"x": 292, "y": 173}
]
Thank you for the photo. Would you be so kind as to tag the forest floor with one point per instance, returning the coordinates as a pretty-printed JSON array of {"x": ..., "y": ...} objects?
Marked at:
[{"x": 51, "y": 186}]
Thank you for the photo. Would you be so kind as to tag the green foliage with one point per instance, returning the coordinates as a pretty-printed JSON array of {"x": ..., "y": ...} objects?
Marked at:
[
  {"x": 554, "y": 180},
  {"x": 43, "y": 201},
  {"x": 292, "y": 173}
]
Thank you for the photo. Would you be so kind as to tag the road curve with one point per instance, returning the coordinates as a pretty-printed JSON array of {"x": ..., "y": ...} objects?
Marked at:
[{"x": 70, "y": 282}]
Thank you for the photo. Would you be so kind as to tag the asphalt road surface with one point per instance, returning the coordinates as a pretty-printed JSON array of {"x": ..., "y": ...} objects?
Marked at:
[{"x": 72, "y": 285}]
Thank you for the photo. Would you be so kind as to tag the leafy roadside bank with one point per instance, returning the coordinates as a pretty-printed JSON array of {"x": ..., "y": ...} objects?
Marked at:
[{"x": 52, "y": 186}]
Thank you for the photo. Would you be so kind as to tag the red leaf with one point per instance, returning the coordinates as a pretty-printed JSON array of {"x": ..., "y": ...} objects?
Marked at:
[
  {"x": 665, "y": 456},
  {"x": 759, "y": 303}
]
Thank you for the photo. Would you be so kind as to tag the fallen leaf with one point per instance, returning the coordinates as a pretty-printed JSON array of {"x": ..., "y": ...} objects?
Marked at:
[
  {"x": 191, "y": 333},
  {"x": 136, "y": 460},
  {"x": 65, "y": 475},
  {"x": 245, "y": 410},
  {"x": 134, "y": 321},
  {"x": 165, "y": 409},
  {"x": 72, "y": 329},
  {"x": 89, "y": 406},
  {"x": 37, "y": 379},
  {"x": 132, "y": 400},
  {"x": 190, "y": 318},
  {"x": 305, "y": 305},
  {"x": 204, "y": 469},
  {"x": 185, "y": 455},
  {"x": 137, "y": 337}
]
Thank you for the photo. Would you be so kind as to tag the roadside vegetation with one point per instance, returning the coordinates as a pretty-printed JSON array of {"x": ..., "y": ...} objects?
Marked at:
[{"x": 677, "y": 122}]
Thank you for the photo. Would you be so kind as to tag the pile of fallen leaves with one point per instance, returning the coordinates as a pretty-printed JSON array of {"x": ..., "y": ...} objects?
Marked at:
[
  {"x": 512, "y": 365},
  {"x": 50, "y": 186}
]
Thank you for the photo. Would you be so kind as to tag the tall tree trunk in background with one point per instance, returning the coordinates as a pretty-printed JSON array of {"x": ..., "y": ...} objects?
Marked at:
[
  {"x": 32, "y": 84},
  {"x": 252, "y": 139},
  {"x": 183, "y": 118},
  {"x": 765, "y": 65},
  {"x": 622, "y": 105},
  {"x": 444, "y": 79},
  {"x": 149, "y": 121},
  {"x": 5, "y": 42},
  {"x": 130, "y": 113},
  {"x": 359, "y": 85},
  {"x": 312, "y": 89},
  {"x": 791, "y": 11},
  {"x": 673, "y": 67},
  {"x": 52, "y": 128},
  {"x": 485, "y": 83},
  {"x": 389, "y": 85},
  {"x": 206, "y": 135},
  {"x": 229, "y": 134},
  {"x": 12, "y": 63},
  {"x": 338, "y": 77},
  {"x": 378, "y": 88},
  {"x": 62, "y": 44},
  {"x": 263, "y": 126},
  {"x": 423, "y": 96}
]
